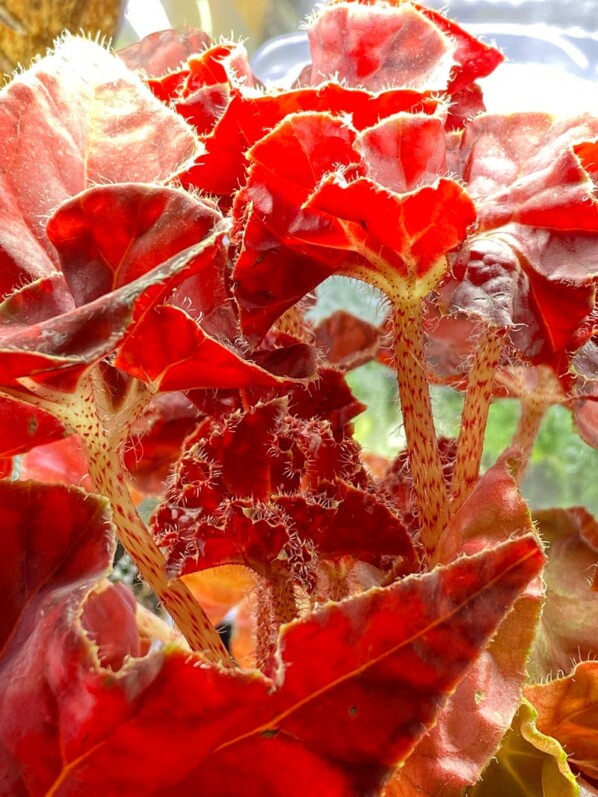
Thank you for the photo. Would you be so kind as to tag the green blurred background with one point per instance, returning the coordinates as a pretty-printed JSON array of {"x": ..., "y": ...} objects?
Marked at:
[{"x": 562, "y": 470}]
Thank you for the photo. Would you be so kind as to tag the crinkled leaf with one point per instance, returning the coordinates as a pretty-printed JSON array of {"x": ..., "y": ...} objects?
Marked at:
[
  {"x": 328, "y": 397},
  {"x": 533, "y": 265},
  {"x": 473, "y": 59},
  {"x": 546, "y": 170},
  {"x": 394, "y": 654},
  {"x": 523, "y": 280},
  {"x": 528, "y": 764},
  {"x": 303, "y": 226},
  {"x": 249, "y": 117},
  {"x": 264, "y": 489},
  {"x": 201, "y": 90},
  {"x": 409, "y": 233}
]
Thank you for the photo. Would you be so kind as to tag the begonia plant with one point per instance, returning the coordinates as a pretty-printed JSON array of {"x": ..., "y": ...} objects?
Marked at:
[{"x": 397, "y": 627}]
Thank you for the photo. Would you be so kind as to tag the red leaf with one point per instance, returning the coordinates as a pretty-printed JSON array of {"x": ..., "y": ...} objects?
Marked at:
[
  {"x": 59, "y": 351},
  {"x": 453, "y": 754},
  {"x": 473, "y": 59},
  {"x": 23, "y": 427},
  {"x": 201, "y": 91},
  {"x": 394, "y": 656},
  {"x": 517, "y": 279},
  {"x": 248, "y": 118},
  {"x": 53, "y": 536},
  {"x": 302, "y": 225},
  {"x": 347, "y": 341},
  {"x": 156, "y": 440},
  {"x": 533, "y": 266},
  {"x": 163, "y": 51},
  {"x": 61, "y": 462},
  {"x": 109, "y": 621},
  {"x": 266, "y": 489},
  {"x": 404, "y": 151},
  {"x": 410, "y": 233},
  {"x": 110, "y": 235},
  {"x": 169, "y": 350},
  {"x": 546, "y": 175}
]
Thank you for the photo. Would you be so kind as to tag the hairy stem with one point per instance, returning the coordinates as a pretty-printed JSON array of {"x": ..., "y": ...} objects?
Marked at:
[
  {"x": 533, "y": 410},
  {"x": 474, "y": 418},
  {"x": 422, "y": 446},
  {"x": 103, "y": 432}
]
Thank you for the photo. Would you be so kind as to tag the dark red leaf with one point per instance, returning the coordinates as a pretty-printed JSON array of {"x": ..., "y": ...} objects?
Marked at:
[
  {"x": 453, "y": 754},
  {"x": 156, "y": 440},
  {"x": 516, "y": 280},
  {"x": 263, "y": 489},
  {"x": 347, "y": 341}
]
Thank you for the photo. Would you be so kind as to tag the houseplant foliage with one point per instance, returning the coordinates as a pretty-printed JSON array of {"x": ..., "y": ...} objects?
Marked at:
[{"x": 164, "y": 222}]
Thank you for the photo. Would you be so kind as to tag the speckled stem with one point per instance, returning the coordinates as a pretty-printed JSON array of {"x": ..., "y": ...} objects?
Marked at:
[
  {"x": 103, "y": 435},
  {"x": 474, "y": 418},
  {"x": 276, "y": 605},
  {"x": 284, "y": 604},
  {"x": 424, "y": 458},
  {"x": 533, "y": 410}
]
